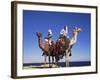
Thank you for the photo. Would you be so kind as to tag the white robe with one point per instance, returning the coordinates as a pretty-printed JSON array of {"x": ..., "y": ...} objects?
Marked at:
[{"x": 64, "y": 32}]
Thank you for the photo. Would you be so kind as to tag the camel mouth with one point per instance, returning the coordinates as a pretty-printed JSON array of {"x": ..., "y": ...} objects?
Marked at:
[{"x": 79, "y": 30}]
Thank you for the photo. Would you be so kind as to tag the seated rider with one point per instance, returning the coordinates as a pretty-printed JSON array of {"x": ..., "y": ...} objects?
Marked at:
[
  {"x": 64, "y": 32},
  {"x": 49, "y": 37},
  {"x": 64, "y": 35}
]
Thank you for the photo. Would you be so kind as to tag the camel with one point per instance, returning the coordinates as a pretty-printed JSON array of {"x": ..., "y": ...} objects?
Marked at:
[
  {"x": 64, "y": 46},
  {"x": 45, "y": 47},
  {"x": 72, "y": 42}
]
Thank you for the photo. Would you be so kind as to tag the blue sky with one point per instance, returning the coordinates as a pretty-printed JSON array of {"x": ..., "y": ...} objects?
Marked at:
[{"x": 41, "y": 21}]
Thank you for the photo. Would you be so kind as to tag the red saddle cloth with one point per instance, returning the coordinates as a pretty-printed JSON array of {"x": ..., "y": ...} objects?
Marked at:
[{"x": 59, "y": 47}]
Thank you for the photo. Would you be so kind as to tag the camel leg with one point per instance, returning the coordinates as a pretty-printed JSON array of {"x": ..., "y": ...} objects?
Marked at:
[
  {"x": 67, "y": 58},
  {"x": 52, "y": 59},
  {"x": 56, "y": 61},
  {"x": 45, "y": 59},
  {"x": 49, "y": 60}
]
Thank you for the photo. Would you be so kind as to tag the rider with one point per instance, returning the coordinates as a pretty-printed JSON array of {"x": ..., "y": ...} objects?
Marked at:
[
  {"x": 64, "y": 31},
  {"x": 64, "y": 34},
  {"x": 49, "y": 37}
]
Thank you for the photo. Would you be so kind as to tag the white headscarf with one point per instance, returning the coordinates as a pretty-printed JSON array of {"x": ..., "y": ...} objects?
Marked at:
[
  {"x": 50, "y": 31},
  {"x": 63, "y": 32},
  {"x": 66, "y": 29}
]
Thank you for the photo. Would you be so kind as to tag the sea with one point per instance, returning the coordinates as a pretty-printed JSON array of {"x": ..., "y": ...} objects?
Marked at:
[{"x": 63, "y": 64}]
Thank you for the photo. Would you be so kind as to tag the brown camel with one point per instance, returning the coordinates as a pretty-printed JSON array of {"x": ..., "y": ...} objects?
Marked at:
[{"x": 48, "y": 51}]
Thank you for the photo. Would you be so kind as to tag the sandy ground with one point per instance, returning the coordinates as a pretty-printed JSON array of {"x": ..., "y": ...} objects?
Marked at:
[{"x": 42, "y": 66}]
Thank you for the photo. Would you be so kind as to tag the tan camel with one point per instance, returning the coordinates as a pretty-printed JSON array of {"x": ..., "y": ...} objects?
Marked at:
[{"x": 73, "y": 40}]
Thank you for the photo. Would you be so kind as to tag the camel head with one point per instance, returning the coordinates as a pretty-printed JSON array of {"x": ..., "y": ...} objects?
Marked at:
[
  {"x": 76, "y": 29},
  {"x": 39, "y": 34}
]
